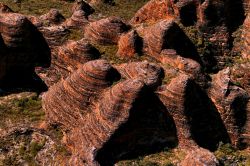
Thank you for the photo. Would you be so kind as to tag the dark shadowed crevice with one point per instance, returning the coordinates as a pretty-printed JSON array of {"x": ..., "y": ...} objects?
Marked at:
[
  {"x": 188, "y": 14},
  {"x": 207, "y": 127},
  {"x": 149, "y": 129}
]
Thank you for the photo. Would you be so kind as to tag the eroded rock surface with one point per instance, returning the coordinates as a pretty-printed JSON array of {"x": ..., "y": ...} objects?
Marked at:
[{"x": 106, "y": 31}]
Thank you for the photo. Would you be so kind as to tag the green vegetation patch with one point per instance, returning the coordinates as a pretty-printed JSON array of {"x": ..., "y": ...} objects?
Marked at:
[
  {"x": 39, "y": 7},
  {"x": 23, "y": 110},
  {"x": 227, "y": 156},
  {"x": 122, "y": 8}
]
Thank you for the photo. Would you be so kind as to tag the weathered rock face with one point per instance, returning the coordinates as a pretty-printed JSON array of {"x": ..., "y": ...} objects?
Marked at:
[
  {"x": 82, "y": 6},
  {"x": 154, "y": 10},
  {"x": 22, "y": 48},
  {"x": 52, "y": 17},
  {"x": 68, "y": 58},
  {"x": 152, "y": 74},
  {"x": 231, "y": 101},
  {"x": 55, "y": 35},
  {"x": 77, "y": 20},
  {"x": 246, "y": 38},
  {"x": 129, "y": 44},
  {"x": 170, "y": 57},
  {"x": 167, "y": 35},
  {"x": 68, "y": 101},
  {"x": 200, "y": 157},
  {"x": 99, "y": 117},
  {"x": 105, "y": 31},
  {"x": 196, "y": 118}
]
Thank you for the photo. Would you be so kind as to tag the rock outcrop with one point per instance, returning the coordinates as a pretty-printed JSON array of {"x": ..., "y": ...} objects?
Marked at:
[
  {"x": 68, "y": 58},
  {"x": 129, "y": 44},
  {"x": 167, "y": 34},
  {"x": 106, "y": 31},
  {"x": 5, "y": 9},
  {"x": 52, "y": 17},
  {"x": 231, "y": 102},
  {"x": 69, "y": 100},
  {"x": 22, "y": 49},
  {"x": 153, "y": 11},
  {"x": 150, "y": 73},
  {"x": 196, "y": 118}
]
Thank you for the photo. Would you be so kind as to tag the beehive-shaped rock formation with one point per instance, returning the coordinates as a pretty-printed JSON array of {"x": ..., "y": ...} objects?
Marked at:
[
  {"x": 23, "y": 47},
  {"x": 129, "y": 44},
  {"x": 196, "y": 118},
  {"x": 231, "y": 101},
  {"x": 170, "y": 57},
  {"x": 154, "y": 10},
  {"x": 55, "y": 35},
  {"x": 105, "y": 31},
  {"x": 52, "y": 17},
  {"x": 68, "y": 101},
  {"x": 167, "y": 34},
  {"x": 77, "y": 20},
  {"x": 152, "y": 74},
  {"x": 73, "y": 54}
]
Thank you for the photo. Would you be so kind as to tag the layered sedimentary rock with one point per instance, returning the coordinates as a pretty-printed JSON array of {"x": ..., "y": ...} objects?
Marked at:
[
  {"x": 55, "y": 35},
  {"x": 196, "y": 118},
  {"x": 231, "y": 102},
  {"x": 81, "y": 10},
  {"x": 129, "y": 44},
  {"x": 154, "y": 10},
  {"x": 22, "y": 47},
  {"x": 200, "y": 157},
  {"x": 246, "y": 38},
  {"x": 77, "y": 20},
  {"x": 73, "y": 54},
  {"x": 52, "y": 17},
  {"x": 68, "y": 58},
  {"x": 68, "y": 101},
  {"x": 105, "y": 31},
  {"x": 150, "y": 73},
  {"x": 167, "y": 34},
  {"x": 170, "y": 57}
]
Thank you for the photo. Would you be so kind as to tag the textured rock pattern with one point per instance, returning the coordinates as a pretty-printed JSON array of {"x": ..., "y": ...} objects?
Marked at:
[
  {"x": 105, "y": 31},
  {"x": 231, "y": 101},
  {"x": 129, "y": 44}
]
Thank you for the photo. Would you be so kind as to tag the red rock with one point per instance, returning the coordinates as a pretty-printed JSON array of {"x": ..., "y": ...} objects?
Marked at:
[
  {"x": 231, "y": 101},
  {"x": 129, "y": 44},
  {"x": 68, "y": 101},
  {"x": 77, "y": 20},
  {"x": 105, "y": 31},
  {"x": 52, "y": 17},
  {"x": 55, "y": 35},
  {"x": 150, "y": 73},
  {"x": 153, "y": 11},
  {"x": 68, "y": 58},
  {"x": 167, "y": 34}
]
